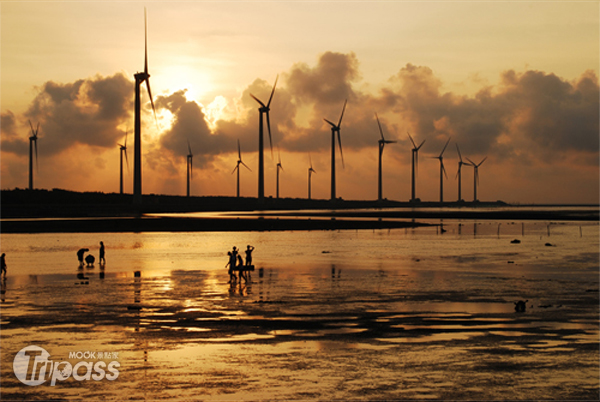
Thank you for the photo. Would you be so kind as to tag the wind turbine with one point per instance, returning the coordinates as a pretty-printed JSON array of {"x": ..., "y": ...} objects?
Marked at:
[
  {"x": 32, "y": 141},
  {"x": 263, "y": 110},
  {"x": 415, "y": 166},
  {"x": 476, "y": 176},
  {"x": 279, "y": 166},
  {"x": 123, "y": 150},
  {"x": 459, "y": 173},
  {"x": 335, "y": 128},
  {"x": 190, "y": 157},
  {"x": 310, "y": 172},
  {"x": 382, "y": 143},
  {"x": 442, "y": 170},
  {"x": 137, "y": 151},
  {"x": 237, "y": 167}
]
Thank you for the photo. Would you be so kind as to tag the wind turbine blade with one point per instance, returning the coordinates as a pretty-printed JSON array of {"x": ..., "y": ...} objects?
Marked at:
[
  {"x": 481, "y": 163},
  {"x": 411, "y": 140},
  {"x": 310, "y": 160},
  {"x": 189, "y": 148},
  {"x": 272, "y": 91},
  {"x": 151, "y": 100},
  {"x": 379, "y": 124},
  {"x": 471, "y": 162},
  {"x": 270, "y": 138},
  {"x": 458, "y": 172},
  {"x": 332, "y": 125},
  {"x": 421, "y": 145},
  {"x": 447, "y": 142},
  {"x": 239, "y": 151},
  {"x": 444, "y": 169},
  {"x": 246, "y": 166},
  {"x": 390, "y": 142},
  {"x": 32, "y": 131},
  {"x": 145, "y": 43},
  {"x": 258, "y": 100},
  {"x": 459, "y": 155},
  {"x": 37, "y": 129},
  {"x": 236, "y": 167},
  {"x": 340, "y": 142},
  {"x": 126, "y": 160},
  {"x": 125, "y": 139},
  {"x": 343, "y": 109}
]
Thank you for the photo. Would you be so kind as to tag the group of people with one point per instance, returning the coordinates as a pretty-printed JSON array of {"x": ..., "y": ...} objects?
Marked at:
[
  {"x": 90, "y": 259},
  {"x": 236, "y": 262}
]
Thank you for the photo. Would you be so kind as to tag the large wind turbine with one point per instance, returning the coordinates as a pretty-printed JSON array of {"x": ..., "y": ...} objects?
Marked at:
[
  {"x": 123, "y": 150},
  {"x": 279, "y": 167},
  {"x": 475, "y": 176},
  {"x": 237, "y": 167},
  {"x": 263, "y": 110},
  {"x": 415, "y": 166},
  {"x": 32, "y": 143},
  {"x": 137, "y": 151},
  {"x": 442, "y": 170},
  {"x": 459, "y": 173},
  {"x": 382, "y": 143},
  {"x": 310, "y": 172},
  {"x": 335, "y": 128},
  {"x": 190, "y": 158}
]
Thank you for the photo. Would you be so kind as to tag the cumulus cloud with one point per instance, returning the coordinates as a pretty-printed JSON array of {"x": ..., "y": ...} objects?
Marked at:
[{"x": 87, "y": 111}]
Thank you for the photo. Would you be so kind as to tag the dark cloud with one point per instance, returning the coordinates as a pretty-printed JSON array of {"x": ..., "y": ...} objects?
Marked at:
[{"x": 83, "y": 112}]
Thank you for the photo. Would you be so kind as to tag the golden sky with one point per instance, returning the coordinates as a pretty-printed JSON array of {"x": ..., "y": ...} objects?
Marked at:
[{"x": 515, "y": 82}]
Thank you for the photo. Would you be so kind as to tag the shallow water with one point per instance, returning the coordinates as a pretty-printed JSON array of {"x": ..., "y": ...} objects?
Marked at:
[{"x": 400, "y": 314}]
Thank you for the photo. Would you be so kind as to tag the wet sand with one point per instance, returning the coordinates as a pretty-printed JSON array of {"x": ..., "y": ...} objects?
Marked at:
[{"x": 315, "y": 332}]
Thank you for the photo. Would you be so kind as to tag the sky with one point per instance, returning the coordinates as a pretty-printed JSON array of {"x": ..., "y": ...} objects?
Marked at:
[{"x": 514, "y": 82}]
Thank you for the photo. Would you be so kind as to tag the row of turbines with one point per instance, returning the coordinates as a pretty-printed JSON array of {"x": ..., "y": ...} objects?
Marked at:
[{"x": 264, "y": 109}]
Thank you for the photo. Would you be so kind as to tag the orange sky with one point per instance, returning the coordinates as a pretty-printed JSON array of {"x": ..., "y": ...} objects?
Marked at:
[{"x": 514, "y": 82}]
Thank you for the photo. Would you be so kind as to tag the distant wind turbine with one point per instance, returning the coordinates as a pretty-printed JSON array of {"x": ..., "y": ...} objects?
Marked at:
[
  {"x": 310, "y": 172},
  {"x": 475, "y": 176},
  {"x": 137, "y": 151},
  {"x": 442, "y": 170},
  {"x": 263, "y": 110},
  {"x": 335, "y": 128},
  {"x": 459, "y": 173},
  {"x": 33, "y": 143},
  {"x": 123, "y": 150},
  {"x": 190, "y": 158},
  {"x": 279, "y": 167},
  {"x": 415, "y": 166},
  {"x": 382, "y": 143},
  {"x": 237, "y": 167}
]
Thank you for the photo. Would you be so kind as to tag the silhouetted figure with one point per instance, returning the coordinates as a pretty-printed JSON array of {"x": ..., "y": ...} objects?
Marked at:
[
  {"x": 89, "y": 259},
  {"x": 520, "y": 306},
  {"x": 101, "y": 259},
  {"x": 240, "y": 261},
  {"x": 3, "y": 289},
  {"x": 249, "y": 250},
  {"x": 231, "y": 265},
  {"x": 80, "y": 254},
  {"x": 3, "y": 264}
]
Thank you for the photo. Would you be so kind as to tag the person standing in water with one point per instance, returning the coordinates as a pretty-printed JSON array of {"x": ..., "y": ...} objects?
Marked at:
[
  {"x": 249, "y": 251},
  {"x": 3, "y": 264},
  {"x": 231, "y": 265},
  {"x": 101, "y": 260},
  {"x": 80, "y": 254}
]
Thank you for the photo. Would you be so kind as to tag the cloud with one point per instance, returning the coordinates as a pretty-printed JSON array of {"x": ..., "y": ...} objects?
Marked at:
[{"x": 87, "y": 111}]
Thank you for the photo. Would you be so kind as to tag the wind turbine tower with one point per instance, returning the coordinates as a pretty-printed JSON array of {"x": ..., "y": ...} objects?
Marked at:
[
  {"x": 123, "y": 151},
  {"x": 32, "y": 144},
  {"x": 237, "y": 167},
  {"x": 137, "y": 150},
  {"x": 459, "y": 173},
  {"x": 263, "y": 110},
  {"x": 310, "y": 172},
  {"x": 382, "y": 143},
  {"x": 335, "y": 129},
  {"x": 190, "y": 158},
  {"x": 415, "y": 166},
  {"x": 476, "y": 176},
  {"x": 442, "y": 170}
]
